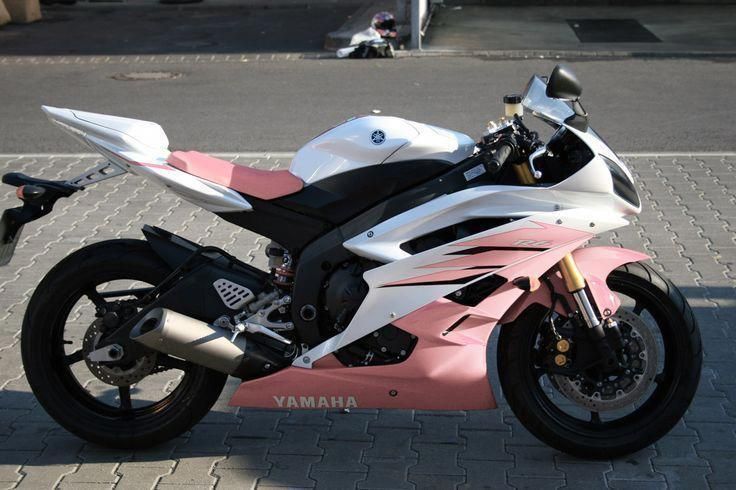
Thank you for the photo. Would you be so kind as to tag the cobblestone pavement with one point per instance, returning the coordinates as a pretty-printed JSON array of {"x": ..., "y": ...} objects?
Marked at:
[{"x": 688, "y": 225}]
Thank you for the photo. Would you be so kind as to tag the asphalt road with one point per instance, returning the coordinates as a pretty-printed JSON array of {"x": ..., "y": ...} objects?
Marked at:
[{"x": 637, "y": 105}]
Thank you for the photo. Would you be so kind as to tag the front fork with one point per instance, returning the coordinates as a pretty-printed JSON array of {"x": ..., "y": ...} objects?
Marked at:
[{"x": 575, "y": 284}]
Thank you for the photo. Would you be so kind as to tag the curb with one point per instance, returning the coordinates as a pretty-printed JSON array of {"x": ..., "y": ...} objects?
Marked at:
[
  {"x": 399, "y": 54},
  {"x": 562, "y": 54}
]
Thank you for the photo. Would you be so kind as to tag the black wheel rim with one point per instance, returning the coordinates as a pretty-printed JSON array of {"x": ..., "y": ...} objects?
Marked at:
[
  {"x": 666, "y": 380},
  {"x": 61, "y": 364}
]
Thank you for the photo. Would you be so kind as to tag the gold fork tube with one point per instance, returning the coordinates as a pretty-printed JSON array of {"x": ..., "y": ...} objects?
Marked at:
[
  {"x": 574, "y": 280},
  {"x": 524, "y": 174},
  {"x": 575, "y": 283}
]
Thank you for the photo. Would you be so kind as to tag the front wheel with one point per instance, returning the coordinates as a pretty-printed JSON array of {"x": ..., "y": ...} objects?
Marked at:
[
  {"x": 139, "y": 403},
  {"x": 595, "y": 413}
]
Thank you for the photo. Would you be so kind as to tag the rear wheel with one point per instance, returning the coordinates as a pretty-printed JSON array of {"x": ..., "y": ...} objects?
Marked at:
[
  {"x": 603, "y": 415},
  {"x": 145, "y": 401}
]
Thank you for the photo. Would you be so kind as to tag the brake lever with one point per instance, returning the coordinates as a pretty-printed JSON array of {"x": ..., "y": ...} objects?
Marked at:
[{"x": 534, "y": 155}]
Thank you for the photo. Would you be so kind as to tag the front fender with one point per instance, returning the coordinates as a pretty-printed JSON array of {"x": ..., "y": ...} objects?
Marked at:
[{"x": 595, "y": 263}]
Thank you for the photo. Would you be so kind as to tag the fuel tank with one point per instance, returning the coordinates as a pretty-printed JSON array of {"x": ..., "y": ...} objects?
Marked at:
[{"x": 377, "y": 140}]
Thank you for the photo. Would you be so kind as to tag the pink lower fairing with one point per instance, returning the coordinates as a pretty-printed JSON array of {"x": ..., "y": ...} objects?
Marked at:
[
  {"x": 445, "y": 372},
  {"x": 447, "y": 369}
]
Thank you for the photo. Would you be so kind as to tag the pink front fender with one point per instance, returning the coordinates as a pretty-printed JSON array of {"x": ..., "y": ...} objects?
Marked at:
[{"x": 596, "y": 263}]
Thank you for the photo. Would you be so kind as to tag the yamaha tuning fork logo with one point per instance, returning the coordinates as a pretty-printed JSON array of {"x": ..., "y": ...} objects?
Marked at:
[{"x": 378, "y": 137}]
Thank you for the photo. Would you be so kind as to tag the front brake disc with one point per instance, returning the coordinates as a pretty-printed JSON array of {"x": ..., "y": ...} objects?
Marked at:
[{"x": 624, "y": 389}]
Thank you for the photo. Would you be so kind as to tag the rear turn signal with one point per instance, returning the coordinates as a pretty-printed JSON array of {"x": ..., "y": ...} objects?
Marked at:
[{"x": 29, "y": 192}]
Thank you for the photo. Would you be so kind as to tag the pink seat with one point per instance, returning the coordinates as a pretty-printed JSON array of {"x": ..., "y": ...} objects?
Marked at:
[{"x": 263, "y": 184}]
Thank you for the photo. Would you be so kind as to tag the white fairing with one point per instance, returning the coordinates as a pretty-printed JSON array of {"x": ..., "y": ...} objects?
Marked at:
[
  {"x": 141, "y": 147},
  {"x": 374, "y": 140}
]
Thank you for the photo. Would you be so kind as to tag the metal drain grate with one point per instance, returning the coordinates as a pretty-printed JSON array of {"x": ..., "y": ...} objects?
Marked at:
[
  {"x": 611, "y": 31},
  {"x": 139, "y": 76}
]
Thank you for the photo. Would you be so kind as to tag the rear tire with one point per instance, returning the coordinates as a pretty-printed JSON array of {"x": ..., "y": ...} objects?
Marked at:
[
  {"x": 646, "y": 424},
  {"x": 51, "y": 378}
]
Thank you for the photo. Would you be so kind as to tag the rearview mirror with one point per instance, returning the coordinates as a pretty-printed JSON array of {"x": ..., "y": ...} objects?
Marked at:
[{"x": 563, "y": 84}]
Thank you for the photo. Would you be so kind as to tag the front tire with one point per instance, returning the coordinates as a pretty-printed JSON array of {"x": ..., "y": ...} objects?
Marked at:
[
  {"x": 45, "y": 337},
  {"x": 673, "y": 388}
]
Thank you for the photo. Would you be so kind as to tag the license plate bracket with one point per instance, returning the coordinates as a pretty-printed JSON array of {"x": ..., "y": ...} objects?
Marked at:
[{"x": 9, "y": 237}]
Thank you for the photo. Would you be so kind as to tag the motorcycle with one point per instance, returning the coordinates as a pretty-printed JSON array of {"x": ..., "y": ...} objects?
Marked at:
[{"x": 396, "y": 248}]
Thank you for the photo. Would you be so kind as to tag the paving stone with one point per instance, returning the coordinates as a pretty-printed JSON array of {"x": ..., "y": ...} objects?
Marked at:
[
  {"x": 722, "y": 466},
  {"x": 394, "y": 419},
  {"x": 290, "y": 471},
  {"x": 485, "y": 445},
  {"x": 637, "y": 485},
  {"x": 135, "y": 477},
  {"x": 689, "y": 477},
  {"x": 534, "y": 483},
  {"x": 485, "y": 420},
  {"x": 192, "y": 470},
  {"x": 248, "y": 453},
  {"x": 350, "y": 426},
  {"x": 238, "y": 478},
  {"x": 298, "y": 440},
  {"x": 486, "y": 474},
  {"x": 532, "y": 461},
  {"x": 392, "y": 443},
  {"x": 677, "y": 451},
  {"x": 342, "y": 456},
  {"x": 337, "y": 480},
  {"x": 387, "y": 473},
  {"x": 636, "y": 467},
  {"x": 714, "y": 436},
  {"x": 436, "y": 482},
  {"x": 437, "y": 459}
]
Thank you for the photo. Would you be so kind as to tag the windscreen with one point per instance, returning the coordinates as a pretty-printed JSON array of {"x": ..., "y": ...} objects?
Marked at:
[{"x": 536, "y": 100}]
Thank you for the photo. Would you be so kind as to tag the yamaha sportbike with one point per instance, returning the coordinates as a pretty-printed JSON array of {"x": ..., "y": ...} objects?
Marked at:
[{"x": 396, "y": 248}]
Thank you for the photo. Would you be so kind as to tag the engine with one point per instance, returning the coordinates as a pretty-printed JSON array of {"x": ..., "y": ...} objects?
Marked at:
[{"x": 343, "y": 294}]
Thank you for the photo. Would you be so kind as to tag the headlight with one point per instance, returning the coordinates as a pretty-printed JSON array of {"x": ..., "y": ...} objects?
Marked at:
[{"x": 623, "y": 187}]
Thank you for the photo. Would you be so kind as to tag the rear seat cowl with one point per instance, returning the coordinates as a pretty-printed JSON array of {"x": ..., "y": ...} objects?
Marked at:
[{"x": 262, "y": 184}]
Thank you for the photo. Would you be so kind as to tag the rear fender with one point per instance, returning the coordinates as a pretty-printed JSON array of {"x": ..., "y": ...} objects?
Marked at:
[{"x": 595, "y": 263}]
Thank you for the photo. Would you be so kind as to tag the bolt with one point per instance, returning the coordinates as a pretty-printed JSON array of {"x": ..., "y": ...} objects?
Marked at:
[
  {"x": 267, "y": 366},
  {"x": 383, "y": 349},
  {"x": 592, "y": 225},
  {"x": 393, "y": 392},
  {"x": 560, "y": 359},
  {"x": 306, "y": 359},
  {"x": 607, "y": 312},
  {"x": 370, "y": 234},
  {"x": 559, "y": 221},
  {"x": 376, "y": 334},
  {"x": 403, "y": 352},
  {"x": 392, "y": 315}
]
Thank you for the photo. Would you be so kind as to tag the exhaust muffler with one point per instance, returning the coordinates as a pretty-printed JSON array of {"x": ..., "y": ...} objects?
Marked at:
[{"x": 195, "y": 341}]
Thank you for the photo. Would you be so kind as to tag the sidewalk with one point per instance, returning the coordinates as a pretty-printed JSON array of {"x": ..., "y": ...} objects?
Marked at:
[
  {"x": 532, "y": 31},
  {"x": 143, "y": 27},
  {"x": 688, "y": 225}
]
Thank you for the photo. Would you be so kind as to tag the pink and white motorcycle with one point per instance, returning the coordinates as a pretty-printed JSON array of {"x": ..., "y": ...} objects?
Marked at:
[{"x": 397, "y": 247}]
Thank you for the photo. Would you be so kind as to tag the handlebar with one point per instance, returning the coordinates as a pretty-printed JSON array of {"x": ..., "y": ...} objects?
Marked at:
[{"x": 504, "y": 150}]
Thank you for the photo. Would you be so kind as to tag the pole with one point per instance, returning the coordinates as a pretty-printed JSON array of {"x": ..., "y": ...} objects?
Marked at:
[{"x": 416, "y": 24}]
